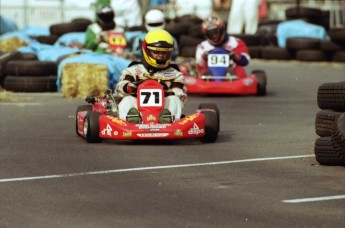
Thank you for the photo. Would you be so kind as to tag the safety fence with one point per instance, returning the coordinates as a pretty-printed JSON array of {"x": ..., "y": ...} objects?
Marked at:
[{"x": 44, "y": 16}]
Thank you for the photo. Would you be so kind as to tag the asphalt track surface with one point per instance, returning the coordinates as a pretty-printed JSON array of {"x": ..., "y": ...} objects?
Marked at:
[{"x": 261, "y": 171}]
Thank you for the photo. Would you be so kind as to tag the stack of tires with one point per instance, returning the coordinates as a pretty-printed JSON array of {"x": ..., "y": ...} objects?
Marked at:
[
  {"x": 187, "y": 32},
  {"x": 330, "y": 124},
  {"x": 22, "y": 72},
  {"x": 59, "y": 29}
]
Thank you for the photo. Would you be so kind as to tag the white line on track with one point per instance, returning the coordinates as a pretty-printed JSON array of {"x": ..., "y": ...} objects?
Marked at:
[
  {"x": 20, "y": 104},
  {"x": 151, "y": 168},
  {"x": 314, "y": 199}
]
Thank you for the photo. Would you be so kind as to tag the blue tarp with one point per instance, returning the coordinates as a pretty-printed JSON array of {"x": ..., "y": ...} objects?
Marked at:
[
  {"x": 70, "y": 38},
  {"x": 7, "y": 25},
  {"x": 299, "y": 28}
]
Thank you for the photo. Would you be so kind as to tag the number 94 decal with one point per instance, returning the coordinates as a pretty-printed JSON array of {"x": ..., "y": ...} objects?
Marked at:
[{"x": 218, "y": 60}]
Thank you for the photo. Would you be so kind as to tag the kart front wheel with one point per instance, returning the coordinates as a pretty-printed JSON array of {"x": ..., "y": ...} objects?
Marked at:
[
  {"x": 81, "y": 108},
  {"x": 211, "y": 106},
  {"x": 262, "y": 81},
  {"x": 91, "y": 127},
  {"x": 211, "y": 127}
]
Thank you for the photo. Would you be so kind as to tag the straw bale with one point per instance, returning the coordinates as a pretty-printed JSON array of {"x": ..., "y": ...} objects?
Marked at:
[
  {"x": 84, "y": 79},
  {"x": 12, "y": 44}
]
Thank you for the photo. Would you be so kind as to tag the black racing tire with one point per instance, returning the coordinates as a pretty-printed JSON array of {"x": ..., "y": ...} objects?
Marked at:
[
  {"x": 29, "y": 56},
  {"x": 250, "y": 39},
  {"x": 193, "y": 20},
  {"x": 303, "y": 12},
  {"x": 62, "y": 28},
  {"x": 255, "y": 52},
  {"x": 331, "y": 96},
  {"x": 211, "y": 127},
  {"x": 338, "y": 137},
  {"x": 276, "y": 53},
  {"x": 214, "y": 107},
  {"x": 325, "y": 121},
  {"x": 91, "y": 127},
  {"x": 30, "y": 84},
  {"x": 188, "y": 51},
  {"x": 31, "y": 68},
  {"x": 80, "y": 109},
  {"x": 81, "y": 24},
  {"x": 311, "y": 56},
  {"x": 339, "y": 56},
  {"x": 196, "y": 32},
  {"x": 337, "y": 35},
  {"x": 187, "y": 41},
  {"x": 50, "y": 39},
  {"x": 5, "y": 57},
  {"x": 302, "y": 43},
  {"x": 330, "y": 47},
  {"x": 325, "y": 154},
  {"x": 262, "y": 82},
  {"x": 178, "y": 29}
]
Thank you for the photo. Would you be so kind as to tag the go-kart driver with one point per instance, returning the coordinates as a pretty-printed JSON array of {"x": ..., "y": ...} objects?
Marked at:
[
  {"x": 154, "y": 19},
  {"x": 94, "y": 39},
  {"x": 213, "y": 29},
  {"x": 157, "y": 50}
]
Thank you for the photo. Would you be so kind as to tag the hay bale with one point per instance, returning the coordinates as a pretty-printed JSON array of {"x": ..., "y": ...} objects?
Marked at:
[
  {"x": 84, "y": 79},
  {"x": 12, "y": 44}
]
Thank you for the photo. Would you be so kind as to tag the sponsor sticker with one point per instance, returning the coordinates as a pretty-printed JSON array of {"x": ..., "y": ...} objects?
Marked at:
[
  {"x": 151, "y": 126},
  {"x": 107, "y": 131},
  {"x": 195, "y": 130},
  {"x": 188, "y": 119},
  {"x": 153, "y": 135},
  {"x": 127, "y": 134},
  {"x": 178, "y": 132},
  {"x": 151, "y": 117},
  {"x": 117, "y": 120}
]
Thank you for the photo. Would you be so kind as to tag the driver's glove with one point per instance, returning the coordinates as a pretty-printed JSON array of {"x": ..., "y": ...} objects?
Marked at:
[
  {"x": 235, "y": 57},
  {"x": 130, "y": 88},
  {"x": 204, "y": 55}
]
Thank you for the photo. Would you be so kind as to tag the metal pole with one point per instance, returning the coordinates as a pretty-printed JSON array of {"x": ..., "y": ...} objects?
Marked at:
[
  {"x": 26, "y": 9},
  {"x": 62, "y": 6}
]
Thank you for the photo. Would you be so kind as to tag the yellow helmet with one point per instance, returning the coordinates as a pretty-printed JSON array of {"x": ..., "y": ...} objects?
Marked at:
[{"x": 157, "y": 48}]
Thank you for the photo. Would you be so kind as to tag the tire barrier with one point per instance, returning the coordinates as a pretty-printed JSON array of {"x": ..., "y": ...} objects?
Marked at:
[{"x": 329, "y": 147}]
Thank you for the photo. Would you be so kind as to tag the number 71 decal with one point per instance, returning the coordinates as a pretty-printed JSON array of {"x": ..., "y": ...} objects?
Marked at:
[{"x": 150, "y": 97}]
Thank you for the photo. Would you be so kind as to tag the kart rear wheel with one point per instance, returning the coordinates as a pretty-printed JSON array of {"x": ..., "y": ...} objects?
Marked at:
[
  {"x": 91, "y": 127},
  {"x": 211, "y": 127},
  {"x": 213, "y": 107},
  {"x": 262, "y": 81},
  {"x": 80, "y": 109}
]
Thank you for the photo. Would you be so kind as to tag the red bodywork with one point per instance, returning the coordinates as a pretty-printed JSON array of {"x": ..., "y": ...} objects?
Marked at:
[
  {"x": 150, "y": 103},
  {"x": 117, "y": 42},
  {"x": 245, "y": 86}
]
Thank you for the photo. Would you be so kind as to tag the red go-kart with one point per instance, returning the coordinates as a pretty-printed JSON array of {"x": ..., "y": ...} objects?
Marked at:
[
  {"x": 96, "y": 121},
  {"x": 222, "y": 81}
]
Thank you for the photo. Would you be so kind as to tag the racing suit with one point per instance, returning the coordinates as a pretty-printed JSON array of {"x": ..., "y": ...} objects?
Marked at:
[
  {"x": 233, "y": 45},
  {"x": 172, "y": 80}
]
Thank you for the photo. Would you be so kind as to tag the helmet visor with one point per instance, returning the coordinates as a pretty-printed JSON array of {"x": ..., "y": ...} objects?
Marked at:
[
  {"x": 106, "y": 17},
  {"x": 156, "y": 24},
  {"x": 214, "y": 35},
  {"x": 160, "y": 54}
]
